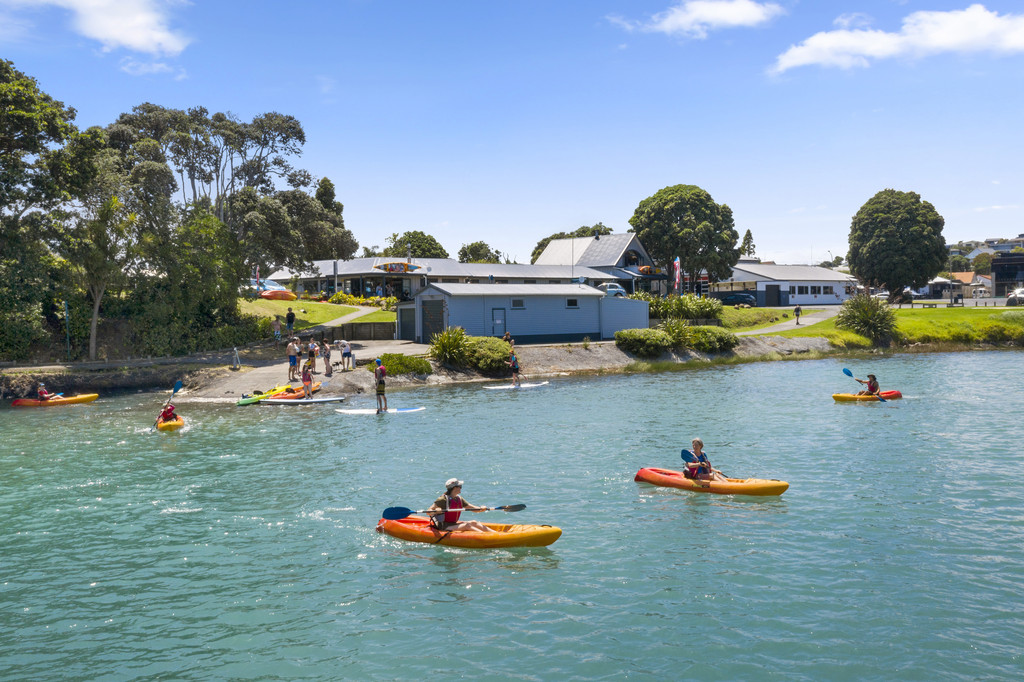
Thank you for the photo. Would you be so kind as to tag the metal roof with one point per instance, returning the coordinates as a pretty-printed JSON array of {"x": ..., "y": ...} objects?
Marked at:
[
  {"x": 607, "y": 250},
  {"x": 513, "y": 289},
  {"x": 447, "y": 267},
  {"x": 789, "y": 273}
]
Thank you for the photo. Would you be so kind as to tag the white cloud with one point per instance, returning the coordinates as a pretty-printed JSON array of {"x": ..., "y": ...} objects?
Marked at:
[
  {"x": 137, "y": 25},
  {"x": 983, "y": 209},
  {"x": 974, "y": 29},
  {"x": 695, "y": 18},
  {"x": 134, "y": 67},
  {"x": 852, "y": 20}
]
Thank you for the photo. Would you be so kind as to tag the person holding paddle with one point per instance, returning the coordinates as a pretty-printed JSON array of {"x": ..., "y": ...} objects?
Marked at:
[
  {"x": 446, "y": 510},
  {"x": 872, "y": 385},
  {"x": 380, "y": 373},
  {"x": 167, "y": 414},
  {"x": 513, "y": 363},
  {"x": 43, "y": 393},
  {"x": 700, "y": 469}
]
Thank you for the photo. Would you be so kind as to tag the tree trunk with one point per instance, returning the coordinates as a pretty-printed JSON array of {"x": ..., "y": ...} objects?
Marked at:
[{"x": 97, "y": 296}]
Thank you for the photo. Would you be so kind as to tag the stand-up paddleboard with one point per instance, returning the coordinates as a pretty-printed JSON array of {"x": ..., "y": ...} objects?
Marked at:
[
  {"x": 505, "y": 386},
  {"x": 371, "y": 410},
  {"x": 301, "y": 401}
]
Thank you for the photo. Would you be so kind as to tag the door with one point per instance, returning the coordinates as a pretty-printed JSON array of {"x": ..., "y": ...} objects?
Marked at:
[
  {"x": 497, "y": 321},
  {"x": 771, "y": 295},
  {"x": 433, "y": 319},
  {"x": 407, "y": 324}
]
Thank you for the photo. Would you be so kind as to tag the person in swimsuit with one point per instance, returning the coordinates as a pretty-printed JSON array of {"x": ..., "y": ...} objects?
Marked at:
[
  {"x": 513, "y": 363},
  {"x": 380, "y": 372},
  {"x": 43, "y": 393},
  {"x": 446, "y": 510},
  {"x": 307, "y": 381}
]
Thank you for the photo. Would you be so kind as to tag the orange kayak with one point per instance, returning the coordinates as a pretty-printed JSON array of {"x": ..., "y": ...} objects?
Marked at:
[
  {"x": 296, "y": 393},
  {"x": 172, "y": 425},
  {"x": 278, "y": 295},
  {"x": 418, "y": 529},
  {"x": 734, "y": 486},
  {"x": 70, "y": 400}
]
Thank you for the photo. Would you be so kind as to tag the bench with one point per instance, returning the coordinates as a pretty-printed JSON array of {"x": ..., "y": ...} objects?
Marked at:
[{"x": 928, "y": 305}]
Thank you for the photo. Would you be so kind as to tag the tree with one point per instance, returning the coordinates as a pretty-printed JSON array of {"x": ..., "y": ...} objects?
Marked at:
[
  {"x": 584, "y": 231},
  {"x": 982, "y": 264},
  {"x": 684, "y": 221},
  {"x": 896, "y": 241},
  {"x": 416, "y": 243},
  {"x": 478, "y": 252},
  {"x": 958, "y": 264},
  {"x": 834, "y": 263},
  {"x": 747, "y": 247}
]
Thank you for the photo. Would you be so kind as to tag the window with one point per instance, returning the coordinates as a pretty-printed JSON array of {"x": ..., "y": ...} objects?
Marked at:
[
  {"x": 449, "y": 280},
  {"x": 801, "y": 290},
  {"x": 572, "y": 303},
  {"x": 815, "y": 289},
  {"x": 518, "y": 304},
  {"x": 792, "y": 289},
  {"x": 529, "y": 281},
  {"x": 827, "y": 290},
  {"x": 501, "y": 281},
  {"x": 554, "y": 281}
]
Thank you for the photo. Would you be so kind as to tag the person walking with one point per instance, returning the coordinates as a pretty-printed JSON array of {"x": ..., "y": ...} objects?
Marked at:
[
  {"x": 380, "y": 372},
  {"x": 796, "y": 311},
  {"x": 289, "y": 320}
]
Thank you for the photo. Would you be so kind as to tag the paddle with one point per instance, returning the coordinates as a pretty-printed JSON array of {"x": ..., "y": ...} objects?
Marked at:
[
  {"x": 850, "y": 374},
  {"x": 177, "y": 387},
  {"x": 690, "y": 458},
  {"x": 396, "y": 513}
]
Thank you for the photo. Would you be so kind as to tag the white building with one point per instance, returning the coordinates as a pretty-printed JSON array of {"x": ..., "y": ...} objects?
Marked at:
[{"x": 785, "y": 285}]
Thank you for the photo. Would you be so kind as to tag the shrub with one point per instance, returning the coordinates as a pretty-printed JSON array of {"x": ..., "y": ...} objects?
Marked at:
[
  {"x": 703, "y": 339},
  {"x": 685, "y": 307},
  {"x": 385, "y": 303},
  {"x": 868, "y": 317},
  {"x": 488, "y": 354},
  {"x": 396, "y": 364},
  {"x": 646, "y": 343},
  {"x": 450, "y": 347}
]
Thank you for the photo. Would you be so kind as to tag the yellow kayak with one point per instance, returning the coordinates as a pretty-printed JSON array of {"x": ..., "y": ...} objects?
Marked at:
[
  {"x": 70, "y": 400},
  {"x": 856, "y": 397},
  {"x": 171, "y": 425},
  {"x": 418, "y": 529},
  {"x": 733, "y": 486}
]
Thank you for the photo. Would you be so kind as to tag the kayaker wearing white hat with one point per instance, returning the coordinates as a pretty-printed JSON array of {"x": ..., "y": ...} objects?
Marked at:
[{"x": 445, "y": 512}]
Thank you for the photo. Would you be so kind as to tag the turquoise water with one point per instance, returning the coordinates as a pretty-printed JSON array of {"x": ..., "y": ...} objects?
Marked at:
[{"x": 243, "y": 547}]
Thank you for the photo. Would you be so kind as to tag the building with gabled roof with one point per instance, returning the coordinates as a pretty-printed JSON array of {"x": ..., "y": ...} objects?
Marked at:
[
  {"x": 621, "y": 256},
  {"x": 784, "y": 285}
]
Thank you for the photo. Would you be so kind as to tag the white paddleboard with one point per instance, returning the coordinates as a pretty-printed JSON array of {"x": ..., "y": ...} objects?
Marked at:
[
  {"x": 509, "y": 386},
  {"x": 372, "y": 410},
  {"x": 300, "y": 401}
]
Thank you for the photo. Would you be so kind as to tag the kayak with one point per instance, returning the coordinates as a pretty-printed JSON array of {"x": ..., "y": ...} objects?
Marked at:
[
  {"x": 69, "y": 400},
  {"x": 733, "y": 486},
  {"x": 296, "y": 393},
  {"x": 418, "y": 529},
  {"x": 278, "y": 295},
  {"x": 172, "y": 425},
  {"x": 853, "y": 397},
  {"x": 258, "y": 396}
]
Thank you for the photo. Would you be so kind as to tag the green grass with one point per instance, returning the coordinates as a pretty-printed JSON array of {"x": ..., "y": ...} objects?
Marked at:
[
  {"x": 378, "y": 316},
  {"x": 749, "y": 319},
  {"x": 316, "y": 313}
]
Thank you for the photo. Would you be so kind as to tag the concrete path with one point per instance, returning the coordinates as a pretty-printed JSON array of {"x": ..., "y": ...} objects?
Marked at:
[{"x": 790, "y": 323}]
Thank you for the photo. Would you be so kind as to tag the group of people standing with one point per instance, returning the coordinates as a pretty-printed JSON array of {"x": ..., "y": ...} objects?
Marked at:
[{"x": 311, "y": 350}]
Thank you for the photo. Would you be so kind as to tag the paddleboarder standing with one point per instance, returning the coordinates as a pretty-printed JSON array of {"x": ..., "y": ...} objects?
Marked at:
[
  {"x": 380, "y": 372},
  {"x": 513, "y": 363}
]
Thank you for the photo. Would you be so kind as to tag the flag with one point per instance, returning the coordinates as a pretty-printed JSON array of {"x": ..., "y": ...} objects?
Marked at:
[{"x": 678, "y": 272}]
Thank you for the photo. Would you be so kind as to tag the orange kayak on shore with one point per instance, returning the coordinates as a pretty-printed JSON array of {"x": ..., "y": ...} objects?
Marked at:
[
  {"x": 52, "y": 402},
  {"x": 734, "y": 486},
  {"x": 296, "y": 393},
  {"x": 418, "y": 529}
]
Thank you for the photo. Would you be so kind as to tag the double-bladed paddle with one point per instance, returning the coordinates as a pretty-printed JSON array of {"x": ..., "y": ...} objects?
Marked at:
[
  {"x": 850, "y": 374},
  {"x": 177, "y": 387},
  {"x": 396, "y": 513}
]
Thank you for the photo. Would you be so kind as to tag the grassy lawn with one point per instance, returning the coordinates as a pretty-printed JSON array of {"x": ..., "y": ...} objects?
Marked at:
[
  {"x": 378, "y": 316},
  {"x": 316, "y": 313},
  {"x": 749, "y": 319}
]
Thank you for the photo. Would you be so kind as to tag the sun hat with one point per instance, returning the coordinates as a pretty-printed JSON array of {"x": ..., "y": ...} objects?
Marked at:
[{"x": 452, "y": 483}]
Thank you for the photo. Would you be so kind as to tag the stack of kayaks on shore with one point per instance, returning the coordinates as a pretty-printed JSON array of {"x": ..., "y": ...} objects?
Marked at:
[
  {"x": 856, "y": 397},
  {"x": 53, "y": 402},
  {"x": 257, "y": 396},
  {"x": 292, "y": 393},
  {"x": 733, "y": 486},
  {"x": 418, "y": 529}
]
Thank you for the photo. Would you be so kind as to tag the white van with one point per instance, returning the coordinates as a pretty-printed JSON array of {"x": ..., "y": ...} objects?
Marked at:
[{"x": 612, "y": 289}]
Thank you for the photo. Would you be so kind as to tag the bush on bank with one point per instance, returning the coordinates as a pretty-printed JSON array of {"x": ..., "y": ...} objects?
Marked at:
[
  {"x": 685, "y": 307},
  {"x": 456, "y": 349},
  {"x": 396, "y": 364}
]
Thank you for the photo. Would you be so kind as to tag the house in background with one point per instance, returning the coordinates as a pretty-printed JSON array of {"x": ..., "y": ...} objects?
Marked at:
[
  {"x": 785, "y": 285},
  {"x": 532, "y": 313},
  {"x": 621, "y": 256}
]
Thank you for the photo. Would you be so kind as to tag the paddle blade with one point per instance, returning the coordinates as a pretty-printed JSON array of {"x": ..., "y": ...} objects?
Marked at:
[
  {"x": 396, "y": 513},
  {"x": 847, "y": 372},
  {"x": 177, "y": 386},
  {"x": 688, "y": 457},
  {"x": 882, "y": 400},
  {"x": 512, "y": 507}
]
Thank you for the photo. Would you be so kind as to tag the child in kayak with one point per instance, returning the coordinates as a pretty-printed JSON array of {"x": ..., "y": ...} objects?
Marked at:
[
  {"x": 700, "y": 469},
  {"x": 445, "y": 512},
  {"x": 168, "y": 414},
  {"x": 872, "y": 385}
]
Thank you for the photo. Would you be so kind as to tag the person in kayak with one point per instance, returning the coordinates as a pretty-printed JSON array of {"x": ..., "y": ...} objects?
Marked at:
[
  {"x": 701, "y": 468},
  {"x": 43, "y": 393},
  {"x": 380, "y": 372},
  {"x": 168, "y": 414},
  {"x": 445, "y": 512},
  {"x": 872, "y": 385}
]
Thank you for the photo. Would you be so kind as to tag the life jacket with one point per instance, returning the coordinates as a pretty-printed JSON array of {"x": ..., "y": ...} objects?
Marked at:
[
  {"x": 452, "y": 513},
  {"x": 167, "y": 414}
]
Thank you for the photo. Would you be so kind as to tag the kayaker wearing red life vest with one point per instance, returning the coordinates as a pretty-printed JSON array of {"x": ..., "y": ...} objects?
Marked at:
[
  {"x": 449, "y": 507},
  {"x": 43, "y": 393},
  {"x": 168, "y": 414},
  {"x": 872, "y": 385}
]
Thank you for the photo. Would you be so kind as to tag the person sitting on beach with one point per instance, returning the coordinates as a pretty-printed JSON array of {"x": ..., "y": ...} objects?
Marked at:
[
  {"x": 872, "y": 385},
  {"x": 700, "y": 469},
  {"x": 446, "y": 510}
]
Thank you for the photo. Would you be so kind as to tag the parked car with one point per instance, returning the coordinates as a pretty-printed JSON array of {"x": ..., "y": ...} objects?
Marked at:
[
  {"x": 739, "y": 298},
  {"x": 612, "y": 289},
  {"x": 1015, "y": 297}
]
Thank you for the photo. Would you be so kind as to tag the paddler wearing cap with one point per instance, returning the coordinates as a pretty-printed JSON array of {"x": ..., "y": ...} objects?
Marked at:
[
  {"x": 445, "y": 512},
  {"x": 43, "y": 393},
  {"x": 872, "y": 385},
  {"x": 379, "y": 373}
]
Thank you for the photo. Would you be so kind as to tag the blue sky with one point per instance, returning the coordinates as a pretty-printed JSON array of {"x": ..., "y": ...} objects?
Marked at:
[{"x": 509, "y": 121}]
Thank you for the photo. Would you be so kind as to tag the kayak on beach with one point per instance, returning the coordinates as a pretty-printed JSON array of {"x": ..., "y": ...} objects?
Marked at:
[
  {"x": 668, "y": 478},
  {"x": 171, "y": 424},
  {"x": 69, "y": 400},
  {"x": 418, "y": 529},
  {"x": 295, "y": 393},
  {"x": 856, "y": 397},
  {"x": 257, "y": 396}
]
